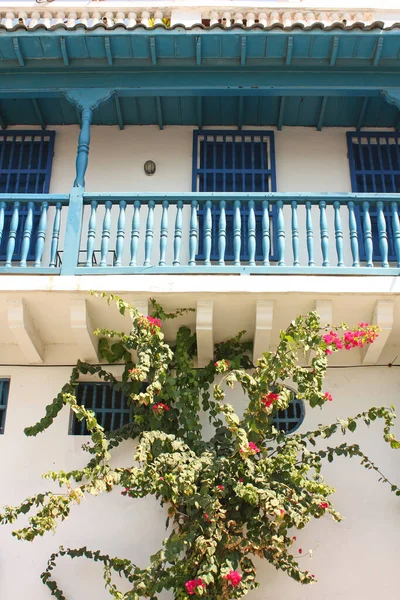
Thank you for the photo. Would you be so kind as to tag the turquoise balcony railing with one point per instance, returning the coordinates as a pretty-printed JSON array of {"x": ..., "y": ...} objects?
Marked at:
[{"x": 90, "y": 233}]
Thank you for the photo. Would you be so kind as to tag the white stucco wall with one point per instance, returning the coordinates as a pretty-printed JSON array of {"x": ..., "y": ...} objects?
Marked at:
[
  {"x": 354, "y": 560},
  {"x": 306, "y": 160}
]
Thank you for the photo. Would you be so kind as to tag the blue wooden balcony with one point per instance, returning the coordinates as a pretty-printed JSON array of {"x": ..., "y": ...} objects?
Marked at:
[{"x": 213, "y": 233}]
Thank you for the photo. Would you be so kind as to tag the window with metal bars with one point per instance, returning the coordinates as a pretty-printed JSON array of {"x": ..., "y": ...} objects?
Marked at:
[
  {"x": 291, "y": 418},
  {"x": 25, "y": 168},
  {"x": 234, "y": 161},
  {"x": 4, "y": 389},
  {"x": 109, "y": 405},
  {"x": 374, "y": 160}
]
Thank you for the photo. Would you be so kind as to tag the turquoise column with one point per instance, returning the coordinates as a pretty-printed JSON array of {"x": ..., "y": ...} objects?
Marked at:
[
  {"x": 310, "y": 234},
  {"x": 12, "y": 234},
  {"x": 251, "y": 233},
  {"x": 207, "y": 233},
  {"x": 383, "y": 241},
  {"x": 41, "y": 235},
  {"x": 85, "y": 101},
  {"x": 194, "y": 227},
  {"x": 55, "y": 236},
  {"x": 237, "y": 233},
  {"x": 119, "y": 247},
  {"x": 323, "y": 224},
  {"x": 280, "y": 226},
  {"x": 82, "y": 157},
  {"x": 148, "y": 242},
  {"x": 368, "y": 245}
]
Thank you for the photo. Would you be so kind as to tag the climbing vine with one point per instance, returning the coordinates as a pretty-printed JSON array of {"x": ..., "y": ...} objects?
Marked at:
[{"x": 241, "y": 494}]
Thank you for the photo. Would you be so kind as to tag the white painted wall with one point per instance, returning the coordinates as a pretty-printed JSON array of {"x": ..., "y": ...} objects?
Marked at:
[
  {"x": 306, "y": 160},
  {"x": 354, "y": 560}
]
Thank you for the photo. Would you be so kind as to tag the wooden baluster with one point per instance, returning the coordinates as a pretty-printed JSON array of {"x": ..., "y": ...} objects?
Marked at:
[
  {"x": 207, "y": 233},
  {"x": 12, "y": 234},
  {"x": 310, "y": 234},
  {"x": 119, "y": 246},
  {"x": 383, "y": 241},
  {"x": 148, "y": 242},
  {"x": 26, "y": 236},
  {"x": 178, "y": 234},
  {"x": 323, "y": 225},
  {"x": 338, "y": 233},
  {"x": 55, "y": 236},
  {"x": 164, "y": 233},
  {"x": 252, "y": 234},
  {"x": 2, "y": 211},
  {"x": 91, "y": 234},
  {"x": 106, "y": 233},
  {"x": 295, "y": 234},
  {"x": 237, "y": 233},
  {"x": 353, "y": 235},
  {"x": 135, "y": 233},
  {"x": 368, "y": 245},
  {"x": 41, "y": 235},
  {"x": 396, "y": 231},
  {"x": 193, "y": 233},
  {"x": 280, "y": 226},
  {"x": 222, "y": 233},
  {"x": 266, "y": 240}
]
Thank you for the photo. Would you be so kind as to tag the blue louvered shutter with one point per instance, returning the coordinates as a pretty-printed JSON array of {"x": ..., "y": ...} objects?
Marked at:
[
  {"x": 25, "y": 168},
  {"x": 4, "y": 390},
  {"x": 374, "y": 160},
  {"x": 225, "y": 161}
]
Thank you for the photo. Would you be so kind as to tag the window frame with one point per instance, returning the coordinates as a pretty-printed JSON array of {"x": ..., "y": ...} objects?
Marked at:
[
  {"x": 4, "y": 395},
  {"x": 269, "y": 173},
  {"x": 359, "y": 212},
  {"x": 73, "y": 422},
  {"x": 286, "y": 419}
]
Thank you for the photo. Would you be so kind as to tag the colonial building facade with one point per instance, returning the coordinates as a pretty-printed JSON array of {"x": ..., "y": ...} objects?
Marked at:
[{"x": 242, "y": 160}]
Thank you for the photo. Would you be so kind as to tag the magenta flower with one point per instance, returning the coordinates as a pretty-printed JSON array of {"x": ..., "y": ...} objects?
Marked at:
[
  {"x": 193, "y": 584},
  {"x": 233, "y": 577}
]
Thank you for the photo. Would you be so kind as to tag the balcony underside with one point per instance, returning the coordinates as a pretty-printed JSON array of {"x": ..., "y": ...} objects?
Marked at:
[{"x": 50, "y": 320}]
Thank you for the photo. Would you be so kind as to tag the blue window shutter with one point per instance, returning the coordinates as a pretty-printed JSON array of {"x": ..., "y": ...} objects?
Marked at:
[
  {"x": 374, "y": 160},
  {"x": 109, "y": 405},
  {"x": 4, "y": 390},
  {"x": 232, "y": 161},
  {"x": 25, "y": 168},
  {"x": 291, "y": 418}
]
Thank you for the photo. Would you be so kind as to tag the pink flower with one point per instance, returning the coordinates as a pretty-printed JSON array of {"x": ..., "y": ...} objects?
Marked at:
[
  {"x": 252, "y": 446},
  {"x": 240, "y": 480},
  {"x": 294, "y": 538},
  {"x": 193, "y": 584},
  {"x": 328, "y": 396},
  {"x": 324, "y": 505},
  {"x": 154, "y": 321},
  {"x": 300, "y": 551},
  {"x": 269, "y": 399},
  {"x": 159, "y": 407},
  {"x": 220, "y": 487},
  {"x": 222, "y": 365},
  {"x": 233, "y": 577},
  {"x": 207, "y": 518}
]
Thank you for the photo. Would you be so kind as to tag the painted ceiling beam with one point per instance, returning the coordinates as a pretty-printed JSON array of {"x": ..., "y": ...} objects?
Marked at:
[
  {"x": 378, "y": 51},
  {"x": 153, "y": 53},
  {"x": 240, "y": 112},
  {"x": 334, "y": 51},
  {"x": 206, "y": 82},
  {"x": 243, "y": 51},
  {"x": 82, "y": 328},
  {"x": 38, "y": 112},
  {"x": 282, "y": 102},
  {"x": 64, "y": 52},
  {"x": 118, "y": 110},
  {"x": 25, "y": 334},
  {"x": 199, "y": 112},
  {"x": 18, "y": 52},
  {"x": 384, "y": 317},
  {"x": 159, "y": 113},
  {"x": 107, "y": 48},
  {"x": 198, "y": 51},
  {"x": 322, "y": 113},
  {"x": 361, "y": 116},
  {"x": 289, "y": 50}
]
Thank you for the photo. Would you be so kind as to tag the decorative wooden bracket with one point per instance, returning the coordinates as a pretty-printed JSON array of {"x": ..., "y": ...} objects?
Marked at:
[
  {"x": 204, "y": 331},
  {"x": 82, "y": 328},
  {"x": 392, "y": 96},
  {"x": 263, "y": 328},
  {"x": 22, "y": 327},
  {"x": 383, "y": 316},
  {"x": 85, "y": 101}
]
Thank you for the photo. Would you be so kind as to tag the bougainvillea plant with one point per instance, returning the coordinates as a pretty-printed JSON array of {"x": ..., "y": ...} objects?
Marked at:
[{"x": 241, "y": 494}]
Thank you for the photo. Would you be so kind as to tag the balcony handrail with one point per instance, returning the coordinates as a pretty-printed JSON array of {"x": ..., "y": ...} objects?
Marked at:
[{"x": 51, "y": 199}]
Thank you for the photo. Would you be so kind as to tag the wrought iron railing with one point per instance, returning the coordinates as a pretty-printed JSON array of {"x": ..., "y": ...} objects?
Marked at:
[{"x": 256, "y": 233}]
